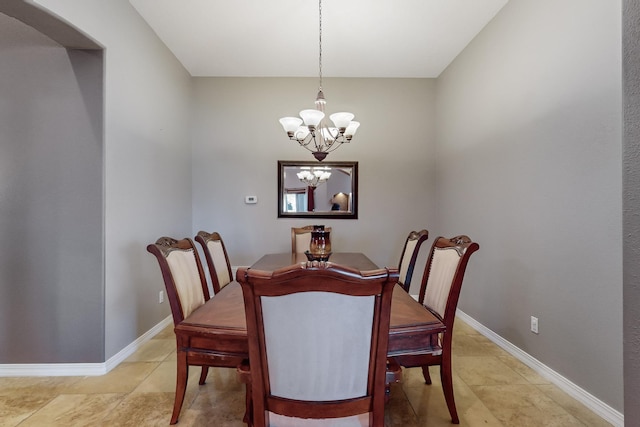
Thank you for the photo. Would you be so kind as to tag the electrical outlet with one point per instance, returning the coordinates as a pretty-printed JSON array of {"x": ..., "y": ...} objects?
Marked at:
[
  {"x": 161, "y": 297},
  {"x": 534, "y": 324}
]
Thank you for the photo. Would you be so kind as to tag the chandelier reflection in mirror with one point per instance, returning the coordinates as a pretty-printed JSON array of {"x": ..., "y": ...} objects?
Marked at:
[
  {"x": 312, "y": 177},
  {"x": 315, "y": 135}
]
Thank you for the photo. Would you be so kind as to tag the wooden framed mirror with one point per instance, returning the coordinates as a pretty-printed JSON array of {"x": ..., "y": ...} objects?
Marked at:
[{"x": 308, "y": 189}]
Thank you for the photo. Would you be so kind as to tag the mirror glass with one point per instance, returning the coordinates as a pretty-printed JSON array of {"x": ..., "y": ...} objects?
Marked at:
[{"x": 317, "y": 190}]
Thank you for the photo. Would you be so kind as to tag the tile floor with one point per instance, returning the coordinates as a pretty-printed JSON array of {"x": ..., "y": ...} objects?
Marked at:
[{"x": 491, "y": 387}]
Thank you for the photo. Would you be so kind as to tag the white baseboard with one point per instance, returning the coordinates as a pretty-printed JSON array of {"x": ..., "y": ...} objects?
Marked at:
[
  {"x": 596, "y": 405},
  {"x": 80, "y": 369}
]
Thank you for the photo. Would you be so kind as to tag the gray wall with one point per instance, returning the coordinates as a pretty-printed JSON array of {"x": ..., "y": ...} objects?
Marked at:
[
  {"x": 529, "y": 149},
  {"x": 237, "y": 142},
  {"x": 51, "y": 266},
  {"x": 631, "y": 207},
  {"x": 147, "y": 160}
]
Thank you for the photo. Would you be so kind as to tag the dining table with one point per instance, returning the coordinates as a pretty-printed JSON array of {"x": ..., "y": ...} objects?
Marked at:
[{"x": 219, "y": 325}]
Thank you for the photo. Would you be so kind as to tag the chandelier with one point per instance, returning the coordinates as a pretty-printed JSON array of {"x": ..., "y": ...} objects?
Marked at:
[
  {"x": 313, "y": 177},
  {"x": 315, "y": 135}
]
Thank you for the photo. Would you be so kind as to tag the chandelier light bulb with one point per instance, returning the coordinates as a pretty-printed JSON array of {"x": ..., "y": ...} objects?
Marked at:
[
  {"x": 290, "y": 124},
  {"x": 312, "y": 118},
  {"x": 351, "y": 129},
  {"x": 301, "y": 133},
  {"x": 341, "y": 120}
]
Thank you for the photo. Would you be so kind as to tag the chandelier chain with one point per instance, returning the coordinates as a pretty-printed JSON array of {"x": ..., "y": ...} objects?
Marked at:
[{"x": 320, "y": 41}]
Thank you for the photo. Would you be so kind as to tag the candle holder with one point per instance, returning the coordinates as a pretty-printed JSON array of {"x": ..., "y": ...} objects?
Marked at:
[{"x": 320, "y": 246}]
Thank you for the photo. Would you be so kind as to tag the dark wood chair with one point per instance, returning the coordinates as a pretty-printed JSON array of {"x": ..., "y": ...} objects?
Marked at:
[
  {"x": 217, "y": 259},
  {"x": 439, "y": 293},
  {"x": 187, "y": 290},
  {"x": 318, "y": 336},
  {"x": 409, "y": 256},
  {"x": 301, "y": 238}
]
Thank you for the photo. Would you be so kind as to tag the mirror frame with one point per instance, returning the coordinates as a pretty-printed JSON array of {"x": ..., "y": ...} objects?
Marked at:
[{"x": 328, "y": 214}]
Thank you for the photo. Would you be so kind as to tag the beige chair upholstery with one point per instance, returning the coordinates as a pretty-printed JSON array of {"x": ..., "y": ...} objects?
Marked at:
[
  {"x": 301, "y": 238},
  {"x": 217, "y": 259},
  {"x": 187, "y": 280},
  {"x": 409, "y": 256},
  {"x": 317, "y": 345},
  {"x": 187, "y": 290},
  {"x": 439, "y": 292}
]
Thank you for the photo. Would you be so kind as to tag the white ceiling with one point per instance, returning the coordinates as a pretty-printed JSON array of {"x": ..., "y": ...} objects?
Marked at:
[{"x": 279, "y": 38}]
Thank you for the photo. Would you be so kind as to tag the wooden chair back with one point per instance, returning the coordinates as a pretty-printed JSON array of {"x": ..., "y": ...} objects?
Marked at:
[
  {"x": 409, "y": 256},
  {"x": 217, "y": 259},
  {"x": 443, "y": 274},
  {"x": 318, "y": 337},
  {"x": 183, "y": 275}
]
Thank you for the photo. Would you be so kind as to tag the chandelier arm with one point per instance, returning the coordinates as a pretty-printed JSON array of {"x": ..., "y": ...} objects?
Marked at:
[{"x": 304, "y": 144}]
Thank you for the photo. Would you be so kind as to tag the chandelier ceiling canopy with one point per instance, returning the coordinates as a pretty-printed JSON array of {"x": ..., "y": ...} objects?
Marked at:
[{"x": 311, "y": 130}]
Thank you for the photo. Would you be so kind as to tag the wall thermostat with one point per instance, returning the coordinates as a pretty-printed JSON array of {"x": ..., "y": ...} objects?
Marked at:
[{"x": 250, "y": 200}]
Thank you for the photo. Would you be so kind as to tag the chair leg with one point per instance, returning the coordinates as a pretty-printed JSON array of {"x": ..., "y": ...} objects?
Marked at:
[
  {"x": 426, "y": 375},
  {"x": 393, "y": 374},
  {"x": 248, "y": 412},
  {"x": 203, "y": 375},
  {"x": 181, "y": 385},
  {"x": 447, "y": 387}
]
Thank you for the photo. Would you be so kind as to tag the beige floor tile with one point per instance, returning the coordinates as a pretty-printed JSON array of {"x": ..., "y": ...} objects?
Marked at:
[
  {"x": 78, "y": 410},
  {"x": 429, "y": 403},
  {"x": 485, "y": 371},
  {"x": 141, "y": 410},
  {"x": 572, "y": 406},
  {"x": 163, "y": 379},
  {"x": 398, "y": 411},
  {"x": 172, "y": 357},
  {"x": 155, "y": 350},
  {"x": 37, "y": 385},
  {"x": 197, "y": 418},
  {"x": 460, "y": 327},
  {"x": 15, "y": 409},
  {"x": 475, "y": 345},
  {"x": 526, "y": 372},
  {"x": 166, "y": 333},
  {"x": 20, "y": 397},
  {"x": 478, "y": 415},
  {"x": 224, "y": 379},
  {"x": 226, "y": 405},
  {"x": 122, "y": 379},
  {"x": 524, "y": 405}
]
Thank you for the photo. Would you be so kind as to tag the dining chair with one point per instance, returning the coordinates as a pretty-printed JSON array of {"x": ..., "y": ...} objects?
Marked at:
[
  {"x": 301, "y": 238},
  {"x": 217, "y": 259},
  {"x": 187, "y": 290},
  {"x": 409, "y": 256},
  {"x": 318, "y": 336},
  {"x": 439, "y": 293}
]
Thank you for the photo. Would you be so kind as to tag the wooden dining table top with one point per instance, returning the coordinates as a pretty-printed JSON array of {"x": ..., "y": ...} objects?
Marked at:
[{"x": 221, "y": 320}]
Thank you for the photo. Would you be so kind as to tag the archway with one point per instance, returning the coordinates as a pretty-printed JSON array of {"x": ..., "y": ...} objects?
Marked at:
[{"x": 51, "y": 190}]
